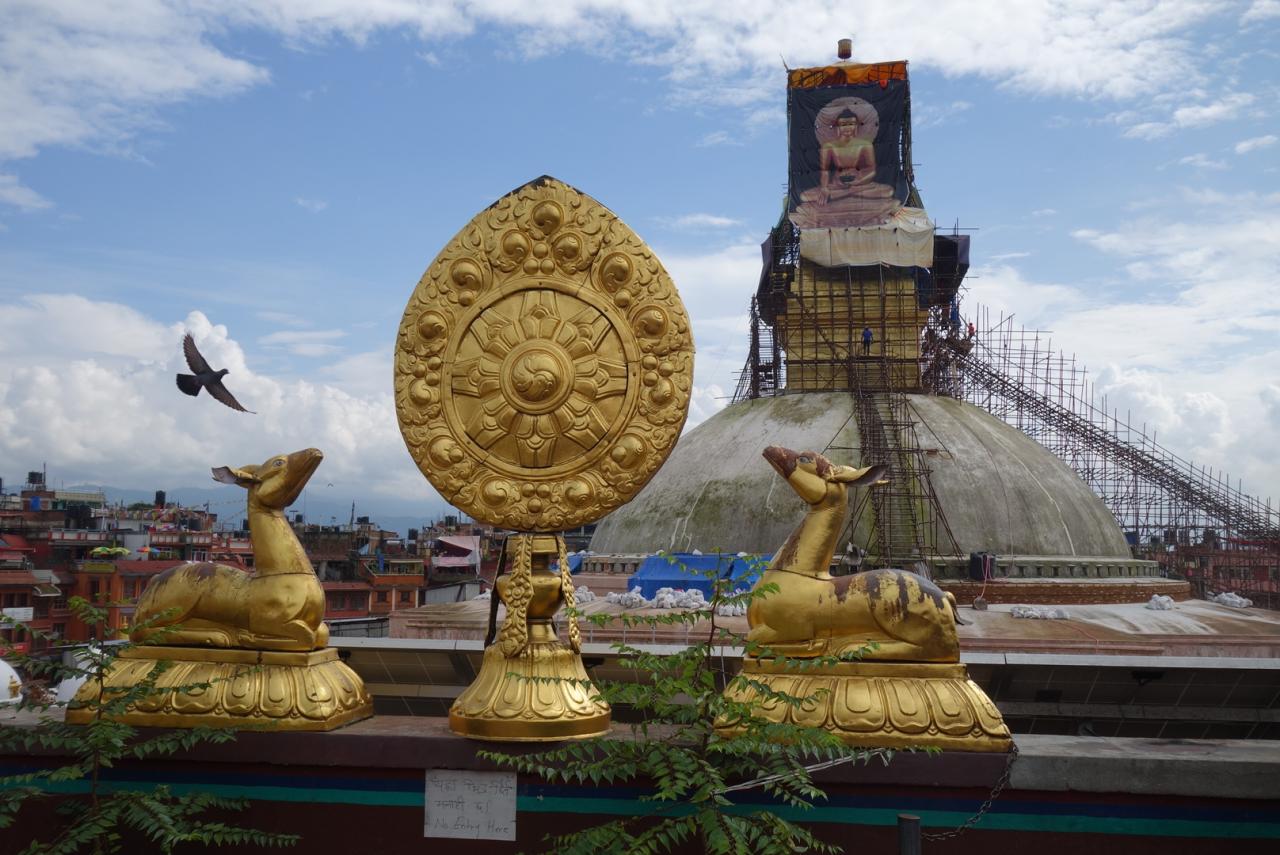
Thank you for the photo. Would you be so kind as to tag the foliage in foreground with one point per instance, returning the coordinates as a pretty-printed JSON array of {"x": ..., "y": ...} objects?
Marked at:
[
  {"x": 688, "y": 769},
  {"x": 96, "y": 815}
]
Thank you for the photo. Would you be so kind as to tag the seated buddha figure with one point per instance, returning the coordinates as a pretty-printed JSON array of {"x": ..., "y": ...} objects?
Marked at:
[{"x": 847, "y": 193}]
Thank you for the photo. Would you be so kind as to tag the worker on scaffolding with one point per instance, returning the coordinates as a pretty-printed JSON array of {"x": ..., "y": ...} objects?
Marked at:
[{"x": 867, "y": 336}]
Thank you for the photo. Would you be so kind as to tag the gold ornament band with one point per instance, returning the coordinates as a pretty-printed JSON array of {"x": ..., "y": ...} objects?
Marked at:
[
  {"x": 566, "y": 590},
  {"x": 517, "y": 594}
]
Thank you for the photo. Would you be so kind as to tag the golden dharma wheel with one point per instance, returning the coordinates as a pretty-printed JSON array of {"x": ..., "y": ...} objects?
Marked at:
[{"x": 544, "y": 362}]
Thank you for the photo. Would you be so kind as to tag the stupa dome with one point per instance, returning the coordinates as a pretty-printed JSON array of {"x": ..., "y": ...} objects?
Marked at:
[{"x": 999, "y": 490}]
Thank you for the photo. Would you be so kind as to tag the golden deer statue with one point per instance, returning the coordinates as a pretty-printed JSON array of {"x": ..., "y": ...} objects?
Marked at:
[
  {"x": 279, "y": 607},
  {"x": 254, "y": 644},
  {"x": 908, "y": 618},
  {"x": 894, "y": 679}
]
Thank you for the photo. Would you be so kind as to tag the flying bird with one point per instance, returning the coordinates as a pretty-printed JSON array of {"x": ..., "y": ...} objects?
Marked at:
[{"x": 205, "y": 377}]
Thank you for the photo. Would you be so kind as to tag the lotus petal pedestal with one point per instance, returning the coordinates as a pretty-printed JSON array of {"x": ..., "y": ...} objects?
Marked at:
[
  {"x": 540, "y": 695},
  {"x": 248, "y": 689},
  {"x": 883, "y": 704}
]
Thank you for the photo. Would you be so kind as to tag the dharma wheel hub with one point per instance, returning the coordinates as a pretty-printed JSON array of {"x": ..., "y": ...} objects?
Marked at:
[{"x": 543, "y": 372}]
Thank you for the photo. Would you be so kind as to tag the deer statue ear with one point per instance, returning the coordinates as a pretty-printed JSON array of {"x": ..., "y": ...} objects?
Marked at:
[
  {"x": 858, "y": 477},
  {"x": 242, "y": 477}
]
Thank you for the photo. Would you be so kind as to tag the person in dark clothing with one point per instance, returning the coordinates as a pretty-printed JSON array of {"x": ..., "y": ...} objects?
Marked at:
[{"x": 866, "y": 341}]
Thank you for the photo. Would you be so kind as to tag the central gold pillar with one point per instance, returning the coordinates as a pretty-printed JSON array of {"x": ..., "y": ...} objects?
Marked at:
[
  {"x": 544, "y": 367},
  {"x": 531, "y": 685}
]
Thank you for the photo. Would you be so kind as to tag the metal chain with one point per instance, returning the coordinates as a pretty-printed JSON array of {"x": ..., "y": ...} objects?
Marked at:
[{"x": 986, "y": 806}]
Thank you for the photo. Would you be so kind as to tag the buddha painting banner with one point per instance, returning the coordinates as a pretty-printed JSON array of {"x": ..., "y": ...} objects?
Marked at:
[{"x": 845, "y": 168}]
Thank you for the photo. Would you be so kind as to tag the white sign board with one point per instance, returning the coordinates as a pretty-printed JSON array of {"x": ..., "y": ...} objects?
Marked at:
[
  {"x": 471, "y": 805},
  {"x": 22, "y": 613}
]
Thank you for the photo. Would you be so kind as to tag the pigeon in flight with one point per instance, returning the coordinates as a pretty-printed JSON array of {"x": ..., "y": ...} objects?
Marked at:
[{"x": 205, "y": 377}]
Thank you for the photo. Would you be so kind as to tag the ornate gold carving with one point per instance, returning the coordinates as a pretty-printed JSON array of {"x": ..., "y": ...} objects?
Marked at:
[
  {"x": 248, "y": 688},
  {"x": 910, "y": 689},
  {"x": 883, "y": 704},
  {"x": 544, "y": 362},
  {"x": 543, "y": 372},
  {"x": 532, "y": 687}
]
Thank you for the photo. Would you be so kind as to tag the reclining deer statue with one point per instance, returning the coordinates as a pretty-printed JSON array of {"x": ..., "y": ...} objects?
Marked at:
[
  {"x": 279, "y": 607},
  {"x": 814, "y": 613}
]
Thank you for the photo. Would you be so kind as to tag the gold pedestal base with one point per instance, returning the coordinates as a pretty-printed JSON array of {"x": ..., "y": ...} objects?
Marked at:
[
  {"x": 884, "y": 705},
  {"x": 250, "y": 689},
  {"x": 540, "y": 695}
]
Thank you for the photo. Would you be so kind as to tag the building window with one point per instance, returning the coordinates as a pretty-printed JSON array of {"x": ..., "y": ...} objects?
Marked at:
[
  {"x": 382, "y": 596},
  {"x": 404, "y": 596},
  {"x": 60, "y": 630}
]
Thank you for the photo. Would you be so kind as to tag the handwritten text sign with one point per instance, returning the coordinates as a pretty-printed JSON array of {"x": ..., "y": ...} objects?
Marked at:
[{"x": 474, "y": 805}]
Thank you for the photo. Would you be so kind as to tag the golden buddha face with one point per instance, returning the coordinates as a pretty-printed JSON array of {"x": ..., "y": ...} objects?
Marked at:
[{"x": 846, "y": 128}]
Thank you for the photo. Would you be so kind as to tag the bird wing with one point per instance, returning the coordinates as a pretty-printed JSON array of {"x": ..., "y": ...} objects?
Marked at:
[
  {"x": 220, "y": 393},
  {"x": 189, "y": 384},
  {"x": 194, "y": 359}
]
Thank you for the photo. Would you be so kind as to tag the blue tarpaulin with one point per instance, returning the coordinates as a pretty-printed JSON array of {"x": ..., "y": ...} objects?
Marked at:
[
  {"x": 575, "y": 564},
  {"x": 686, "y": 571}
]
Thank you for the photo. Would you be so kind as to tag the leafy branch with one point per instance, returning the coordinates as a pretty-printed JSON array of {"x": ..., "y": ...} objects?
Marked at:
[
  {"x": 695, "y": 743},
  {"x": 98, "y": 815}
]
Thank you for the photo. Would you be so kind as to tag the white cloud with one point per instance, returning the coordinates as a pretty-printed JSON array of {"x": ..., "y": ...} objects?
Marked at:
[
  {"x": 315, "y": 206},
  {"x": 102, "y": 403},
  {"x": 1261, "y": 10},
  {"x": 304, "y": 342},
  {"x": 1191, "y": 348},
  {"x": 286, "y": 318},
  {"x": 927, "y": 115},
  {"x": 1200, "y": 160},
  {"x": 1256, "y": 143},
  {"x": 14, "y": 192},
  {"x": 81, "y": 73},
  {"x": 1043, "y": 212},
  {"x": 715, "y": 287},
  {"x": 704, "y": 403},
  {"x": 718, "y": 138},
  {"x": 1224, "y": 109},
  {"x": 699, "y": 221}
]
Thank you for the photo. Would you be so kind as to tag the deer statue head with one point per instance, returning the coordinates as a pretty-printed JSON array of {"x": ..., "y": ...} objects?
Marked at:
[
  {"x": 276, "y": 483},
  {"x": 816, "y": 479}
]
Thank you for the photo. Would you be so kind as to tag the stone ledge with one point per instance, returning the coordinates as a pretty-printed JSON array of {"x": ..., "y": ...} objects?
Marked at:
[{"x": 1245, "y": 769}]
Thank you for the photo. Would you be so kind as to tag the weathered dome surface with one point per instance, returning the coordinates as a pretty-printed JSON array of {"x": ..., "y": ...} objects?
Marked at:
[{"x": 1000, "y": 490}]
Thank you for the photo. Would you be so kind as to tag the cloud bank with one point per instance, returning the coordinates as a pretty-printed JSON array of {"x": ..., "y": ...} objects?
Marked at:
[{"x": 81, "y": 73}]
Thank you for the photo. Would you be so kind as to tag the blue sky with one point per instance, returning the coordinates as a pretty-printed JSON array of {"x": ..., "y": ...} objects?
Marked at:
[{"x": 275, "y": 176}]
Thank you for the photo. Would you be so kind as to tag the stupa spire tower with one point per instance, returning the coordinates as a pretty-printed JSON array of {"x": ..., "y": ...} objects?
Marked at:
[{"x": 854, "y": 268}]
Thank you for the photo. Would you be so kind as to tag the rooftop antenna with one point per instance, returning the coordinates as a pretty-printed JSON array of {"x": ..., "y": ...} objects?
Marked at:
[{"x": 844, "y": 49}]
